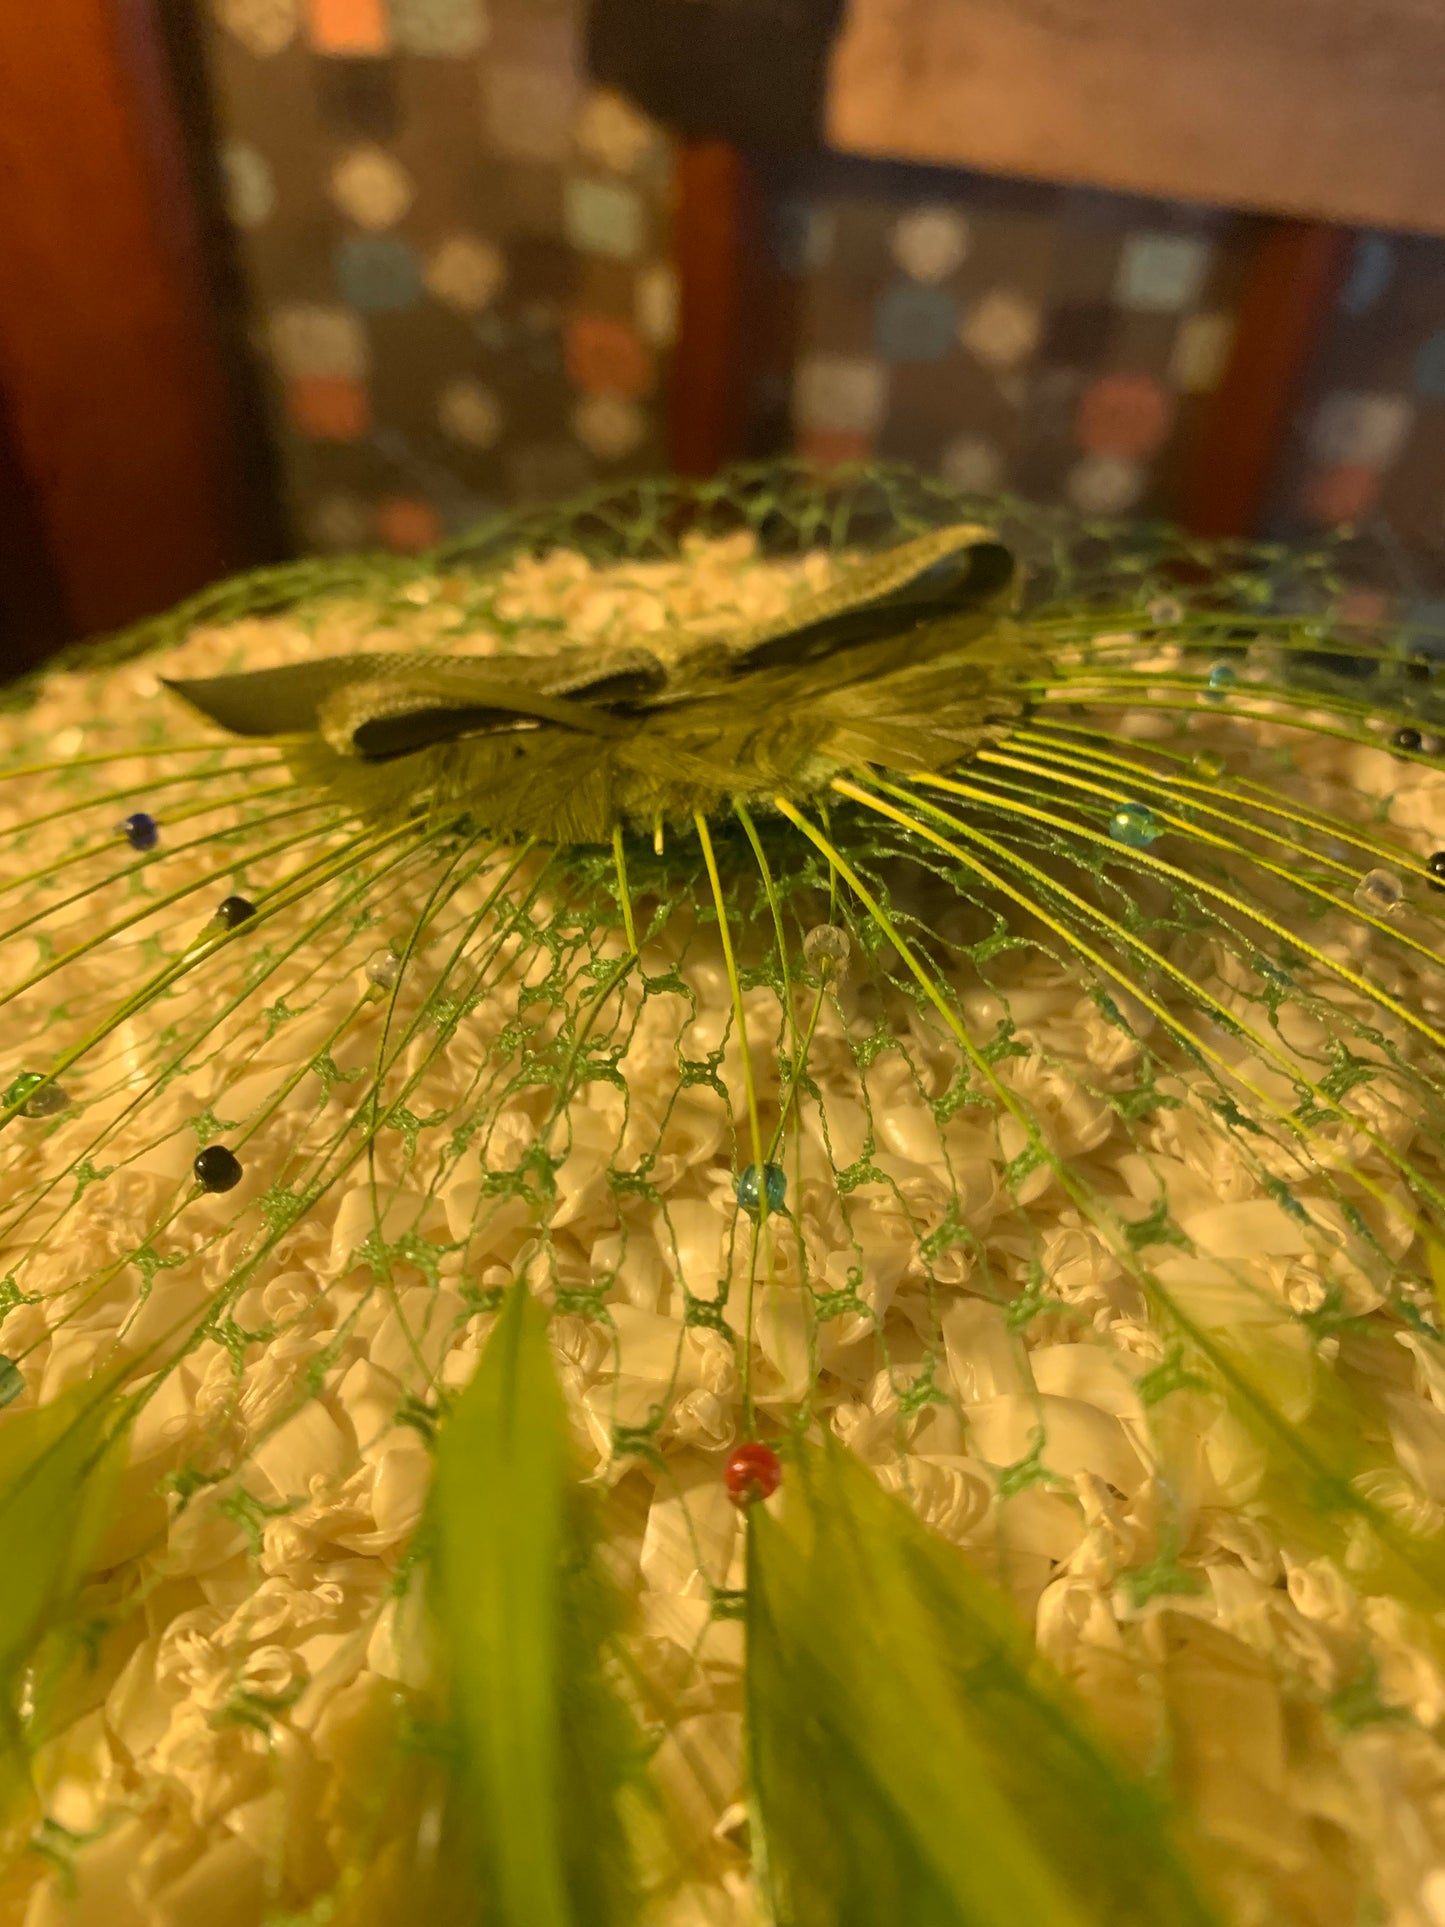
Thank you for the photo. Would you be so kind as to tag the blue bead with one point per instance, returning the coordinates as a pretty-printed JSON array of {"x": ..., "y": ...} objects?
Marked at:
[
  {"x": 750, "y": 1188},
  {"x": 1134, "y": 825},
  {"x": 1221, "y": 679},
  {"x": 142, "y": 832}
]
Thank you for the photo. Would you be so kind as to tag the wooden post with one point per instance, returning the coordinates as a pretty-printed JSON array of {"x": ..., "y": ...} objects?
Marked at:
[
  {"x": 114, "y": 387},
  {"x": 1293, "y": 277},
  {"x": 712, "y": 235}
]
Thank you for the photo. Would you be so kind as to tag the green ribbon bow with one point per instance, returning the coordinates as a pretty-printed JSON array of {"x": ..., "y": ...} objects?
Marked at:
[{"x": 566, "y": 745}]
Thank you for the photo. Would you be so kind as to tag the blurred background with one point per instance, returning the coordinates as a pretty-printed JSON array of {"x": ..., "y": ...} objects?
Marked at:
[{"x": 291, "y": 276}]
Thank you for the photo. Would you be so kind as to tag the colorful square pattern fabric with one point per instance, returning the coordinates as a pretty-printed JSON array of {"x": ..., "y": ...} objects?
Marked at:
[
  {"x": 1003, "y": 334},
  {"x": 455, "y": 252}
]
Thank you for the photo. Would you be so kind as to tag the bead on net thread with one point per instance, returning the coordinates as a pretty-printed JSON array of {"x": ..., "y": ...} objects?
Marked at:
[
  {"x": 753, "y": 1471},
  {"x": 751, "y": 1188},
  {"x": 140, "y": 830},
  {"x": 231, "y": 912},
  {"x": 1133, "y": 825},
  {"x": 1222, "y": 678},
  {"x": 34, "y": 1096},
  {"x": 1380, "y": 891},
  {"x": 827, "y": 950},
  {"x": 383, "y": 969},
  {"x": 217, "y": 1169}
]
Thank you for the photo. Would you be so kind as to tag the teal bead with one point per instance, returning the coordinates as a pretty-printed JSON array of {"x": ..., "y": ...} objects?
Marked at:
[
  {"x": 1134, "y": 825},
  {"x": 1221, "y": 680},
  {"x": 750, "y": 1188}
]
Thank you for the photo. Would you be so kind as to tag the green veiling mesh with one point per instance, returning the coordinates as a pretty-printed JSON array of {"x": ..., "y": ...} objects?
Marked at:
[{"x": 1038, "y": 1151}]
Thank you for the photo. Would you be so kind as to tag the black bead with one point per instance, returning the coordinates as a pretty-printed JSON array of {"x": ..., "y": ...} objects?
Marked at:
[
  {"x": 231, "y": 912},
  {"x": 217, "y": 1169},
  {"x": 1417, "y": 668},
  {"x": 1436, "y": 866},
  {"x": 1406, "y": 739},
  {"x": 141, "y": 831}
]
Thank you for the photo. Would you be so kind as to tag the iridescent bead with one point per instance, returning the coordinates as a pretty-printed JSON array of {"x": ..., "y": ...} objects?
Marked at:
[
  {"x": 1222, "y": 679},
  {"x": 1134, "y": 825},
  {"x": 1431, "y": 745},
  {"x": 231, "y": 912},
  {"x": 1406, "y": 739},
  {"x": 1165, "y": 611},
  {"x": 1209, "y": 764},
  {"x": 217, "y": 1169},
  {"x": 1380, "y": 891},
  {"x": 142, "y": 832},
  {"x": 383, "y": 969},
  {"x": 1436, "y": 866},
  {"x": 750, "y": 1188},
  {"x": 753, "y": 1471},
  {"x": 826, "y": 949},
  {"x": 34, "y": 1096}
]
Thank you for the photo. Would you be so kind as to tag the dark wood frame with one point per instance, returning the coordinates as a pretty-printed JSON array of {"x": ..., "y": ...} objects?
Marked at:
[{"x": 123, "y": 434}]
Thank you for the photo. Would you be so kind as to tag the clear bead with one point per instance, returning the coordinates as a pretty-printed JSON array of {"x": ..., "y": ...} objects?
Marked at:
[
  {"x": 48, "y": 1101},
  {"x": 827, "y": 949},
  {"x": 34, "y": 1097},
  {"x": 1134, "y": 825},
  {"x": 1209, "y": 764},
  {"x": 1165, "y": 611},
  {"x": 1380, "y": 891},
  {"x": 383, "y": 969},
  {"x": 750, "y": 1188}
]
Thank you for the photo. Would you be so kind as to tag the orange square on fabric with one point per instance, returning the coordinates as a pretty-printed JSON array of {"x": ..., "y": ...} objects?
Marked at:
[
  {"x": 409, "y": 524},
  {"x": 348, "y": 26},
  {"x": 828, "y": 448},
  {"x": 329, "y": 408},
  {"x": 607, "y": 357},
  {"x": 1343, "y": 492}
]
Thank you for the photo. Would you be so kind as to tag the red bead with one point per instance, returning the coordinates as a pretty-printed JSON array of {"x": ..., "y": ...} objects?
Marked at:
[{"x": 752, "y": 1472}]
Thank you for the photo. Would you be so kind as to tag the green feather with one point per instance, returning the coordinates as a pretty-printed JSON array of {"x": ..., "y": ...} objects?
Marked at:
[
  {"x": 547, "y": 1753},
  {"x": 887, "y": 1681},
  {"x": 58, "y": 1469}
]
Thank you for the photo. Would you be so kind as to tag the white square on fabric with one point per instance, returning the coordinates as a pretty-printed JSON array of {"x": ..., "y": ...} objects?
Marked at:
[
  {"x": 1161, "y": 273},
  {"x": 603, "y": 217},
  {"x": 1358, "y": 427},
  {"x": 840, "y": 394}
]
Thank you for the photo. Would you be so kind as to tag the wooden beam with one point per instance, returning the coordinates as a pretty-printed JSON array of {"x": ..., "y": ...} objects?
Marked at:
[
  {"x": 1322, "y": 109},
  {"x": 114, "y": 387},
  {"x": 1292, "y": 280}
]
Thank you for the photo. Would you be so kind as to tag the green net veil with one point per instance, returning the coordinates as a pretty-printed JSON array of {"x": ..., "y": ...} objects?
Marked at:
[{"x": 727, "y": 1230}]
